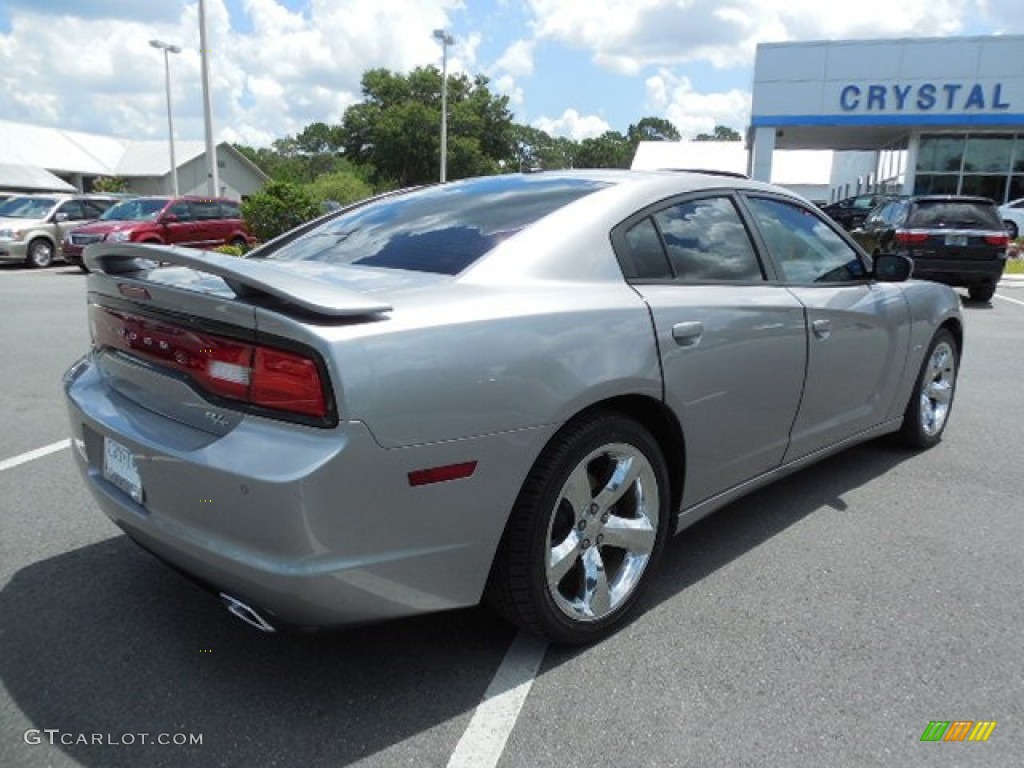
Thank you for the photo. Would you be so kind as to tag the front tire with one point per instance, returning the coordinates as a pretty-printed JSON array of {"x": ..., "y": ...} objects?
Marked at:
[
  {"x": 927, "y": 413},
  {"x": 586, "y": 531},
  {"x": 40, "y": 253}
]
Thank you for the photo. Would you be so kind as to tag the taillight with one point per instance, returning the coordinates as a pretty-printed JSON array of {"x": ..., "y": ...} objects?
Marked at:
[
  {"x": 256, "y": 374},
  {"x": 908, "y": 237},
  {"x": 1001, "y": 240}
]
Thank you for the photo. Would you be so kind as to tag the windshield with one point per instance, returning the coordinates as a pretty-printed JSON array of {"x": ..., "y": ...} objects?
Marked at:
[
  {"x": 139, "y": 209},
  {"x": 27, "y": 207},
  {"x": 441, "y": 229}
]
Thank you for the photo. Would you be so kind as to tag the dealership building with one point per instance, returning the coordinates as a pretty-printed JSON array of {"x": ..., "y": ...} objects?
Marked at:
[{"x": 910, "y": 116}]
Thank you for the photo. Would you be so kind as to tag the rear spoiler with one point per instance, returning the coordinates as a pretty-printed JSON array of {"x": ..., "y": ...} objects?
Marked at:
[{"x": 248, "y": 278}]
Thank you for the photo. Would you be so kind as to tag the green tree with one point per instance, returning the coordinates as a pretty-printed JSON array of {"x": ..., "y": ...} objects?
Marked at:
[
  {"x": 278, "y": 207},
  {"x": 342, "y": 187},
  {"x": 395, "y": 130},
  {"x": 652, "y": 129},
  {"x": 534, "y": 149},
  {"x": 109, "y": 184},
  {"x": 722, "y": 133},
  {"x": 609, "y": 150}
]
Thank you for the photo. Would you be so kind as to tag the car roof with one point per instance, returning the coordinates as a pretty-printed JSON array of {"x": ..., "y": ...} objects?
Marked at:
[{"x": 952, "y": 199}]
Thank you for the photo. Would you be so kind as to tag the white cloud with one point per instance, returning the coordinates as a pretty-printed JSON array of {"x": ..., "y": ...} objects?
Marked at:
[
  {"x": 627, "y": 35},
  {"x": 291, "y": 69},
  {"x": 572, "y": 125},
  {"x": 517, "y": 59},
  {"x": 507, "y": 86},
  {"x": 693, "y": 112}
]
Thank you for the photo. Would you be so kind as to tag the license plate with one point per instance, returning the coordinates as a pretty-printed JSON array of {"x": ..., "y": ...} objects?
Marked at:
[
  {"x": 120, "y": 469},
  {"x": 956, "y": 240}
]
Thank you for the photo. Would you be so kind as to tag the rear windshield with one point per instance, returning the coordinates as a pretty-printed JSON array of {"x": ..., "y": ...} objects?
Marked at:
[
  {"x": 139, "y": 209},
  {"x": 27, "y": 207},
  {"x": 952, "y": 214},
  {"x": 441, "y": 229}
]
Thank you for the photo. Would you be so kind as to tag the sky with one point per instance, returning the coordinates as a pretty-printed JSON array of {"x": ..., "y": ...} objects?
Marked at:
[{"x": 574, "y": 68}]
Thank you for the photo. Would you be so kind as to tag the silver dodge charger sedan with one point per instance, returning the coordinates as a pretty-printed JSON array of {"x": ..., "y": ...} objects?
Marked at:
[{"x": 510, "y": 388}]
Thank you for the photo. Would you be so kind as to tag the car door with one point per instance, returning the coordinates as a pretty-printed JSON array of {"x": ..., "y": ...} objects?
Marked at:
[
  {"x": 209, "y": 228},
  {"x": 68, "y": 215},
  {"x": 859, "y": 330},
  {"x": 178, "y": 225},
  {"x": 732, "y": 345}
]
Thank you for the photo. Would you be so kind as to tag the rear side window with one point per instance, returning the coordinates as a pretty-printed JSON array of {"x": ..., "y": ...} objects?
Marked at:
[
  {"x": 441, "y": 229},
  {"x": 706, "y": 240},
  {"x": 205, "y": 210},
  {"x": 953, "y": 214}
]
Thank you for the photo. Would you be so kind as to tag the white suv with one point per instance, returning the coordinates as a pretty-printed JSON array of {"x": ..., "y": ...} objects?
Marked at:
[{"x": 33, "y": 226}]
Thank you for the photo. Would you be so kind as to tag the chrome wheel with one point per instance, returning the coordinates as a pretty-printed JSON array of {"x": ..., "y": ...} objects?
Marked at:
[
  {"x": 586, "y": 532},
  {"x": 937, "y": 386},
  {"x": 602, "y": 532},
  {"x": 40, "y": 253}
]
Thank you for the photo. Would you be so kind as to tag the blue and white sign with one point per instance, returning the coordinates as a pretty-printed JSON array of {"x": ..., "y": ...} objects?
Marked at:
[{"x": 923, "y": 97}]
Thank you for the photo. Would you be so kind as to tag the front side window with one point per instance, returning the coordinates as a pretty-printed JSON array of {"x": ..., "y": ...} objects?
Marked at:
[
  {"x": 182, "y": 210},
  {"x": 73, "y": 210},
  {"x": 804, "y": 248}
]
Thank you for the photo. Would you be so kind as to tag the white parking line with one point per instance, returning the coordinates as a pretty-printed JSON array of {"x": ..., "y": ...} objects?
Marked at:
[
  {"x": 38, "y": 453},
  {"x": 484, "y": 740},
  {"x": 1007, "y": 298}
]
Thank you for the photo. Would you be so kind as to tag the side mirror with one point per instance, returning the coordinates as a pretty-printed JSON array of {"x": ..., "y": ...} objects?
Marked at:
[
  {"x": 169, "y": 218},
  {"x": 891, "y": 268},
  {"x": 60, "y": 216}
]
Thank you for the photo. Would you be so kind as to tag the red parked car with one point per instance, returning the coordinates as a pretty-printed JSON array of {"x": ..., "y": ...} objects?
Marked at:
[{"x": 196, "y": 222}]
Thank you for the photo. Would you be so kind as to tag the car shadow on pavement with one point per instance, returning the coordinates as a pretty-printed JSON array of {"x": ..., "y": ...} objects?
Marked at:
[{"x": 106, "y": 640}]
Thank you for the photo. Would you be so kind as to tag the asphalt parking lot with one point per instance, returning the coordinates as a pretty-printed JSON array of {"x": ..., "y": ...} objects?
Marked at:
[{"x": 824, "y": 621}]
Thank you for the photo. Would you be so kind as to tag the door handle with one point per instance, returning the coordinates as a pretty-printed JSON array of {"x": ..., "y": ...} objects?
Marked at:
[
  {"x": 822, "y": 328},
  {"x": 688, "y": 334}
]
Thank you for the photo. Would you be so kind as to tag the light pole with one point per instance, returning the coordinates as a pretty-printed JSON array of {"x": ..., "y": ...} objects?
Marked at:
[
  {"x": 212, "y": 182},
  {"x": 445, "y": 40},
  {"x": 168, "y": 49}
]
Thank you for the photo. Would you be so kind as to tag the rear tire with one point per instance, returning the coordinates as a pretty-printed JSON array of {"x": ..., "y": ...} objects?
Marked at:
[
  {"x": 927, "y": 412},
  {"x": 585, "y": 533},
  {"x": 981, "y": 292},
  {"x": 1011, "y": 229},
  {"x": 40, "y": 253}
]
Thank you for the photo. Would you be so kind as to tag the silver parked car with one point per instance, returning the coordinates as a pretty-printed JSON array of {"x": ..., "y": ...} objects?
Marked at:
[{"x": 512, "y": 387}]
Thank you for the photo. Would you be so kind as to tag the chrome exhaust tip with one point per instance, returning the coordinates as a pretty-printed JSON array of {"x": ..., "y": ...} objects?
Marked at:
[{"x": 246, "y": 613}]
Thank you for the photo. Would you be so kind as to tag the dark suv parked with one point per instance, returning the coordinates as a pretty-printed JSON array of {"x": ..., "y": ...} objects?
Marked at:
[
  {"x": 193, "y": 221},
  {"x": 959, "y": 241},
  {"x": 851, "y": 212}
]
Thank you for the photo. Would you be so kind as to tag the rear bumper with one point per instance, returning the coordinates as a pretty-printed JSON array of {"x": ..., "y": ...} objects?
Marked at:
[
  {"x": 314, "y": 527},
  {"x": 959, "y": 272}
]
